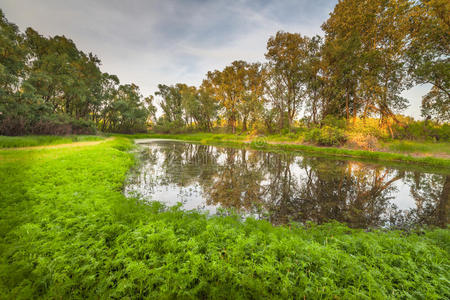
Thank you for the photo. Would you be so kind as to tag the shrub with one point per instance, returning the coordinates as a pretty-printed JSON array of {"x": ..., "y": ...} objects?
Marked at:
[
  {"x": 332, "y": 121},
  {"x": 312, "y": 135},
  {"x": 326, "y": 136},
  {"x": 423, "y": 130},
  {"x": 362, "y": 141},
  {"x": 164, "y": 126}
]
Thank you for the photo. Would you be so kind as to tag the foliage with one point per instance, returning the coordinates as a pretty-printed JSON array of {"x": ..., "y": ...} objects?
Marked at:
[
  {"x": 326, "y": 136},
  {"x": 423, "y": 130},
  {"x": 185, "y": 105},
  {"x": 372, "y": 51},
  {"x": 48, "y": 86},
  {"x": 429, "y": 55},
  {"x": 332, "y": 121},
  {"x": 239, "y": 89},
  {"x": 68, "y": 232}
]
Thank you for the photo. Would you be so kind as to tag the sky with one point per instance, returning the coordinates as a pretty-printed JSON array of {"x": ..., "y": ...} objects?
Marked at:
[{"x": 170, "y": 41}]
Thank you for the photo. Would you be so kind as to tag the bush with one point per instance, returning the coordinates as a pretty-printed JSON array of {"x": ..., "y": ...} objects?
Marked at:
[
  {"x": 164, "y": 126},
  {"x": 362, "y": 141},
  {"x": 332, "y": 121},
  {"x": 423, "y": 130},
  {"x": 48, "y": 124},
  {"x": 326, "y": 136}
]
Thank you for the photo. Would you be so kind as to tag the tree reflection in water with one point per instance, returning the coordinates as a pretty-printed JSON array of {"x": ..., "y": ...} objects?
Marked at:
[{"x": 286, "y": 187}]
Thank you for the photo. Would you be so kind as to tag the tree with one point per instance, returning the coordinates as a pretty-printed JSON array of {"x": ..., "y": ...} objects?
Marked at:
[
  {"x": 126, "y": 112},
  {"x": 429, "y": 55},
  {"x": 311, "y": 70},
  {"x": 199, "y": 106},
  {"x": 238, "y": 88},
  {"x": 171, "y": 102},
  {"x": 47, "y": 85},
  {"x": 285, "y": 53},
  {"x": 379, "y": 29}
]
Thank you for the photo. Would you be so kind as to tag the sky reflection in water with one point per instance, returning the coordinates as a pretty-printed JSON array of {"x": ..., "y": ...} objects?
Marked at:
[{"x": 287, "y": 187}]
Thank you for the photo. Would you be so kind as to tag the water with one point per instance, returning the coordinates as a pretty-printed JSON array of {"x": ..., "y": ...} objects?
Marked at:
[{"x": 288, "y": 187}]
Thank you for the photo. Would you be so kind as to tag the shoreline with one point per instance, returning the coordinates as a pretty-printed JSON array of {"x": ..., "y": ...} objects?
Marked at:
[{"x": 258, "y": 144}]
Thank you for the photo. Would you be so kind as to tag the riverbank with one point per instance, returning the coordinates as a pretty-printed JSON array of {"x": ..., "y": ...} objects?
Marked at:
[
  {"x": 44, "y": 140},
  {"x": 415, "y": 153},
  {"x": 67, "y": 231}
]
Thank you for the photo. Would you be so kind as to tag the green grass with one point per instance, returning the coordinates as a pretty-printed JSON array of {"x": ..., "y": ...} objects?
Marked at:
[
  {"x": 419, "y": 147},
  {"x": 42, "y": 140},
  {"x": 273, "y": 143},
  {"x": 66, "y": 231}
]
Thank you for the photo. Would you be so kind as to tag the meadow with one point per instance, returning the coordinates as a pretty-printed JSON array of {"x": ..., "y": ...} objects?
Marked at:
[
  {"x": 67, "y": 231},
  {"x": 42, "y": 140}
]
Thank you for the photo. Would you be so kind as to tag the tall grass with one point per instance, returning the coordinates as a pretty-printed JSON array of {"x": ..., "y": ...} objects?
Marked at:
[{"x": 66, "y": 231}]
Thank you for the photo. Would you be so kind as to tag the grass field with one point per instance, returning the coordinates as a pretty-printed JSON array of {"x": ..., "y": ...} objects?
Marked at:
[
  {"x": 66, "y": 231},
  {"x": 41, "y": 140},
  {"x": 419, "y": 147}
]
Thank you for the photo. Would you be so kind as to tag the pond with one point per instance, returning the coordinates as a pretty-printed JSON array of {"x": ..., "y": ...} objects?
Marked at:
[{"x": 286, "y": 187}]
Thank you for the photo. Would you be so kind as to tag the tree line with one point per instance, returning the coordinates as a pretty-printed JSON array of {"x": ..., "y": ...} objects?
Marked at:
[
  {"x": 49, "y": 86},
  {"x": 371, "y": 51}
]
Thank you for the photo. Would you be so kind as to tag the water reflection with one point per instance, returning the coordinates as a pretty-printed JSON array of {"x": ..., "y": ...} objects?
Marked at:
[{"x": 286, "y": 187}]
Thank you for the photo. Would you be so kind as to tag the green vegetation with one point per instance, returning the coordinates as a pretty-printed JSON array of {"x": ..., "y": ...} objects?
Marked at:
[
  {"x": 39, "y": 140},
  {"x": 49, "y": 86},
  {"x": 421, "y": 147},
  {"x": 356, "y": 71},
  {"x": 66, "y": 231}
]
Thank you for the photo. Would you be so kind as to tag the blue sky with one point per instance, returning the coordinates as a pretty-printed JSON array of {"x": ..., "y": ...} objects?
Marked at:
[{"x": 168, "y": 41}]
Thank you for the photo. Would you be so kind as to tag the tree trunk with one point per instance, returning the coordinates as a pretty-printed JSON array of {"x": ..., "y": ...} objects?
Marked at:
[{"x": 346, "y": 107}]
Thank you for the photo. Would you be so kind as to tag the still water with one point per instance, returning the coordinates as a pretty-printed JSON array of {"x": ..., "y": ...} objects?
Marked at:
[{"x": 285, "y": 187}]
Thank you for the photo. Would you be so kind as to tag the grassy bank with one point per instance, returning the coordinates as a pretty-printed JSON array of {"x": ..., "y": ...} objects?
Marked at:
[
  {"x": 66, "y": 231},
  {"x": 41, "y": 140},
  {"x": 284, "y": 143}
]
